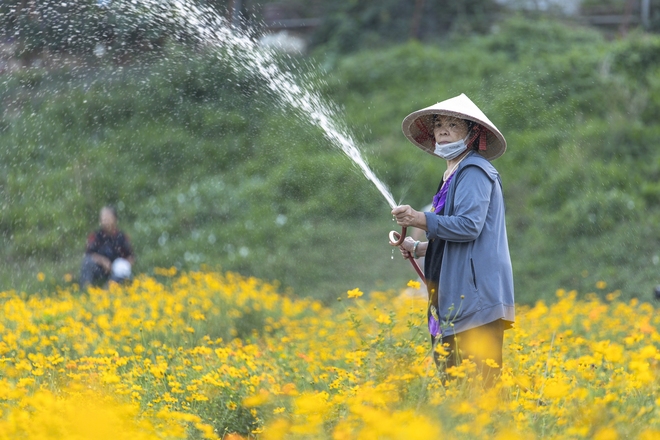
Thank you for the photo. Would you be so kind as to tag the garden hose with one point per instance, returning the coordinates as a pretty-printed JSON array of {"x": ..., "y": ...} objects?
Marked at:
[{"x": 396, "y": 239}]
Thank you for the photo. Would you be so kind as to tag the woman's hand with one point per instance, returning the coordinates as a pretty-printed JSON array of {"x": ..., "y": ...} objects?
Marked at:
[
  {"x": 410, "y": 251},
  {"x": 406, "y": 248},
  {"x": 406, "y": 216}
]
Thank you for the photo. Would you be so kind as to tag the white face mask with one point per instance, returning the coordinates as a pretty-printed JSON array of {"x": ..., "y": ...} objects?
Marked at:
[{"x": 452, "y": 150}]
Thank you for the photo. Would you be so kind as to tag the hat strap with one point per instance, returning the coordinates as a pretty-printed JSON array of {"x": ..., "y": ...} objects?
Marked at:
[{"x": 479, "y": 131}]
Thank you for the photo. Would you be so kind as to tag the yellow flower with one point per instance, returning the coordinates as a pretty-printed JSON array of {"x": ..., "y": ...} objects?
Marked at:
[
  {"x": 277, "y": 429},
  {"x": 383, "y": 319},
  {"x": 601, "y": 285},
  {"x": 614, "y": 353},
  {"x": 491, "y": 363},
  {"x": 41, "y": 276},
  {"x": 464, "y": 407},
  {"x": 414, "y": 284},
  {"x": 606, "y": 434},
  {"x": 355, "y": 293},
  {"x": 312, "y": 403},
  {"x": 649, "y": 434},
  {"x": 258, "y": 399},
  {"x": 556, "y": 389},
  {"x": 613, "y": 295}
]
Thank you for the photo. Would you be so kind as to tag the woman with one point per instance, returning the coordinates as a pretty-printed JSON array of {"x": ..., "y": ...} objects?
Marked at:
[{"x": 467, "y": 265}]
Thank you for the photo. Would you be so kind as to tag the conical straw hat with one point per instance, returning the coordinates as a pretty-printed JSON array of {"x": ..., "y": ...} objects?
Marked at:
[{"x": 418, "y": 126}]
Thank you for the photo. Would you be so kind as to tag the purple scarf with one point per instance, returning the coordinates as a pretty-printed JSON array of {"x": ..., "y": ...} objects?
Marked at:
[
  {"x": 434, "y": 321},
  {"x": 441, "y": 197}
]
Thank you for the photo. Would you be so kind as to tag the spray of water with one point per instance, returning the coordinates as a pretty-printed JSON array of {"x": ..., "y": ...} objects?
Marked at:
[{"x": 212, "y": 30}]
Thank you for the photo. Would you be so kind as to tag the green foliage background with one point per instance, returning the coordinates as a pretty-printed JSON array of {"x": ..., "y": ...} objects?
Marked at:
[{"x": 206, "y": 168}]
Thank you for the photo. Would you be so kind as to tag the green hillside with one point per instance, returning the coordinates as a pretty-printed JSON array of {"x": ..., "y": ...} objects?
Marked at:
[{"x": 207, "y": 169}]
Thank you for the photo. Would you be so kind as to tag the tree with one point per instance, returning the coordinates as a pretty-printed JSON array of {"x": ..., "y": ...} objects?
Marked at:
[
  {"x": 351, "y": 25},
  {"x": 76, "y": 27}
]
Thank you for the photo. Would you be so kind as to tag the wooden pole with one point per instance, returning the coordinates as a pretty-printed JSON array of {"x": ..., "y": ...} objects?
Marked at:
[
  {"x": 623, "y": 29},
  {"x": 416, "y": 19}
]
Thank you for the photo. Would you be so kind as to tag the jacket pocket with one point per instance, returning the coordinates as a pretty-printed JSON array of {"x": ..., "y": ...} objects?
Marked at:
[{"x": 474, "y": 274}]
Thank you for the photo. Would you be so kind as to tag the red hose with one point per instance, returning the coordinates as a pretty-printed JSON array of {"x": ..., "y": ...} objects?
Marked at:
[{"x": 396, "y": 239}]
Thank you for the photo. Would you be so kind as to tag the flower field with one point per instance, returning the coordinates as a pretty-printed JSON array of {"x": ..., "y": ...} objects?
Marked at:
[{"x": 205, "y": 355}]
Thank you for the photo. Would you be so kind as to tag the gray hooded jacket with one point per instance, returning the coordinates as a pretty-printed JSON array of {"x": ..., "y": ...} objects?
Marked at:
[{"x": 476, "y": 277}]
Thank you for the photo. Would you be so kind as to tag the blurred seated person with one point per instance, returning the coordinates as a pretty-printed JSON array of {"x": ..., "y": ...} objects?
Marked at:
[{"x": 109, "y": 254}]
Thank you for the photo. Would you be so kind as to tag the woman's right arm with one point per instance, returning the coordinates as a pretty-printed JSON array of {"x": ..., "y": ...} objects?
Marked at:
[
  {"x": 471, "y": 201},
  {"x": 408, "y": 248}
]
